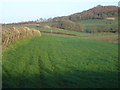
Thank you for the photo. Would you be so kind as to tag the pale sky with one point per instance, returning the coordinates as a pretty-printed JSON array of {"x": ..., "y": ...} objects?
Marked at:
[{"x": 24, "y": 10}]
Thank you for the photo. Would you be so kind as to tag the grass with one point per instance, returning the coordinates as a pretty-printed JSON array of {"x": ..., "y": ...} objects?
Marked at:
[
  {"x": 101, "y": 36},
  {"x": 98, "y": 21},
  {"x": 48, "y": 29},
  {"x": 60, "y": 61},
  {"x": 95, "y": 23}
]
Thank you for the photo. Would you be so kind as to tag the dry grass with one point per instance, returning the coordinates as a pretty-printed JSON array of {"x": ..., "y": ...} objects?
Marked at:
[{"x": 11, "y": 34}]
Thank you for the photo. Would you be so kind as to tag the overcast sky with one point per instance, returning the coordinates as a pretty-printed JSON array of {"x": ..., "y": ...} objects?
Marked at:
[{"x": 24, "y": 10}]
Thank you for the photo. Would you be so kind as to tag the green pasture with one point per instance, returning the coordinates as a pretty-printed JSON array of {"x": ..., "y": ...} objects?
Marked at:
[{"x": 58, "y": 61}]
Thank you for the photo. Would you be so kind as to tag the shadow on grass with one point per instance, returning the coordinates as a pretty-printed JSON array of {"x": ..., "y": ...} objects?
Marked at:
[{"x": 69, "y": 79}]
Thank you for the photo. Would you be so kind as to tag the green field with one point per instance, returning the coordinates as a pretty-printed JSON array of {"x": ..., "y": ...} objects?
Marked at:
[
  {"x": 60, "y": 61},
  {"x": 98, "y": 21},
  {"x": 99, "y": 25},
  {"x": 113, "y": 37}
]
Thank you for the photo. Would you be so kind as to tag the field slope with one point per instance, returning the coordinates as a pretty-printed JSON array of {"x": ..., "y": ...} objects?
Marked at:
[{"x": 60, "y": 61}]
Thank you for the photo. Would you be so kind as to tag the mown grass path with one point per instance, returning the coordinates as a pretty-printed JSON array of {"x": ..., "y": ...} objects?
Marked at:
[{"x": 60, "y": 61}]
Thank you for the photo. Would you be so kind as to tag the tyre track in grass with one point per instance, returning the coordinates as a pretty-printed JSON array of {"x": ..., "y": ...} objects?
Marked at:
[
  {"x": 41, "y": 58},
  {"x": 52, "y": 50},
  {"x": 45, "y": 65},
  {"x": 41, "y": 76},
  {"x": 62, "y": 66},
  {"x": 54, "y": 54}
]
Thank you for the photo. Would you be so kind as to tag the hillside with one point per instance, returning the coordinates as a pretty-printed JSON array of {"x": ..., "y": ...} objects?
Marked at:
[
  {"x": 95, "y": 18},
  {"x": 98, "y": 12},
  {"x": 89, "y": 21}
]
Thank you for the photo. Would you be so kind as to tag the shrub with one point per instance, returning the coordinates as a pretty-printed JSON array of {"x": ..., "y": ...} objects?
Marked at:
[
  {"x": 67, "y": 24},
  {"x": 11, "y": 34}
]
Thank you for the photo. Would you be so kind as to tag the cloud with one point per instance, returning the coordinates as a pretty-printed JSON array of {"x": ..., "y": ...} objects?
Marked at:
[{"x": 60, "y": 0}]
